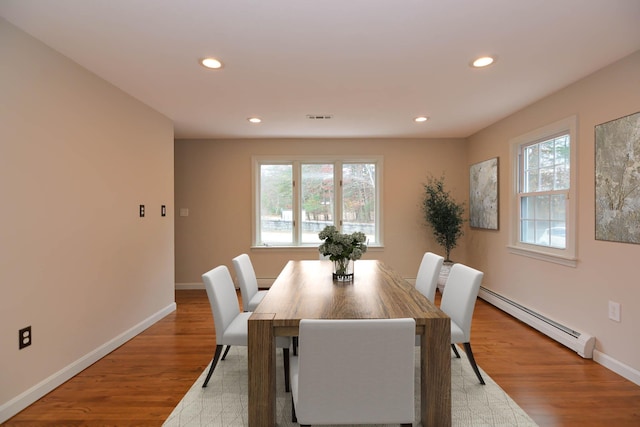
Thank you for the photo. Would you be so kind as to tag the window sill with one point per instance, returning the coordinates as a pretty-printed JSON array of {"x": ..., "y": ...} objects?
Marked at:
[{"x": 544, "y": 256}]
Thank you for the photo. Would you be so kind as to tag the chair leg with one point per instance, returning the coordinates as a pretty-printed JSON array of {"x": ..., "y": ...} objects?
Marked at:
[
  {"x": 467, "y": 349},
  {"x": 287, "y": 383},
  {"x": 226, "y": 351},
  {"x": 216, "y": 356},
  {"x": 455, "y": 350},
  {"x": 294, "y": 418}
]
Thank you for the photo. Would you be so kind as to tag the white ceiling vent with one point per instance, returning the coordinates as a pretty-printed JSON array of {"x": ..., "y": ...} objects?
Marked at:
[{"x": 319, "y": 116}]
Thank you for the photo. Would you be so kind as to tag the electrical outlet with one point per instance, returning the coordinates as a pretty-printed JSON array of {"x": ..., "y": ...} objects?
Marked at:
[
  {"x": 163, "y": 210},
  {"x": 614, "y": 311},
  {"x": 141, "y": 211},
  {"x": 24, "y": 337}
]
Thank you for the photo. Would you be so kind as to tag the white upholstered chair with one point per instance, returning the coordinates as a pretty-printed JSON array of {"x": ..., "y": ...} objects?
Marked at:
[
  {"x": 458, "y": 302},
  {"x": 428, "y": 273},
  {"x": 248, "y": 282},
  {"x": 354, "y": 372},
  {"x": 230, "y": 323}
]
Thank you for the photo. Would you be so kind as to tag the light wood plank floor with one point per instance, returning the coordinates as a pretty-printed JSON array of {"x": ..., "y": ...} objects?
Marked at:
[{"x": 140, "y": 383}]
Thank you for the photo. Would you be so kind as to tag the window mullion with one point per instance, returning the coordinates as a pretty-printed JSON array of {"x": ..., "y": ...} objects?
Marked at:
[
  {"x": 297, "y": 203},
  {"x": 337, "y": 201}
]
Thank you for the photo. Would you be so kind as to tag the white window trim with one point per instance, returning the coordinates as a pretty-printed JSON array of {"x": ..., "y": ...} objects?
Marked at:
[
  {"x": 256, "y": 161},
  {"x": 567, "y": 256}
]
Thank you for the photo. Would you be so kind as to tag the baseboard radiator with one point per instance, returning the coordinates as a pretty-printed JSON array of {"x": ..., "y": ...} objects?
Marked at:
[{"x": 579, "y": 342}]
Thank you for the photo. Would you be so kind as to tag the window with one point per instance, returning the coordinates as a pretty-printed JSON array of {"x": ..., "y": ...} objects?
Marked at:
[
  {"x": 297, "y": 198},
  {"x": 543, "y": 223}
]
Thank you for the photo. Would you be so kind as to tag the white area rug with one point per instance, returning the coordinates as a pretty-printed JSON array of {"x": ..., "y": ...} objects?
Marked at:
[{"x": 224, "y": 401}]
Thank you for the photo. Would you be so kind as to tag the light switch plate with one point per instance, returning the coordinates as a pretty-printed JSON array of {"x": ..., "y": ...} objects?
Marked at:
[{"x": 614, "y": 311}]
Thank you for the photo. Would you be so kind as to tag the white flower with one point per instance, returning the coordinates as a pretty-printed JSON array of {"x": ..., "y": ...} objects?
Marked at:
[{"x": 340, "y": 246}]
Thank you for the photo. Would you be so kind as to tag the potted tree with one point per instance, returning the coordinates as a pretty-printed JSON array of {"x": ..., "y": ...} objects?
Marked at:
[{"x": 444, "y": 215}]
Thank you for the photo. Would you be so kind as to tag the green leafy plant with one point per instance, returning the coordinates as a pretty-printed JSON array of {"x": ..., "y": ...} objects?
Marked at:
[{"x": 443, "y": 214}]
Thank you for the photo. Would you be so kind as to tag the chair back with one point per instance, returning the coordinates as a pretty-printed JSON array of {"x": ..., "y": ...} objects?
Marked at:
[
  {"x": 222, "y": 298},
  {"x": 428, "y": 274},
  {"x": 356, "y": 371},
  {"x": 459, "y": 296},
  {"x": 246, "y": 279}
]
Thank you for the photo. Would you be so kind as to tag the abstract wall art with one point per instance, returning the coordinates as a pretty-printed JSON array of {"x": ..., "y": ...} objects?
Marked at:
[
  {"x": 617, "y": 186},
  {"x": 483, "y": 194}
]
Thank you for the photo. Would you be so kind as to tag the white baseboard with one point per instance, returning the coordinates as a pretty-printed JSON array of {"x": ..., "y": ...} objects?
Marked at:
[
  {"x": 187, "y": 286},
  {"x": 619, "y": 368},
  {"x": 18, "y": 403},
  {"x": 263, "y": 283}
]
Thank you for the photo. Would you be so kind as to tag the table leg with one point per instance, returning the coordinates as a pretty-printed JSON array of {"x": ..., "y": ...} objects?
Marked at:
[
  {"x": 435, "y": 373},
  {"x": 262, "y": 371}
]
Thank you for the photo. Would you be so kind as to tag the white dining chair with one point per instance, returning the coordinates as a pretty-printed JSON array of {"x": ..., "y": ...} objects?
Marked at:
[
  {"x": 357, "y": 371},
  {"x": 230, "y": 323},
  {"x": 428, "y": 273},
  {"x": 458, "y": 302},
  {"x": 248, "y": 282}
]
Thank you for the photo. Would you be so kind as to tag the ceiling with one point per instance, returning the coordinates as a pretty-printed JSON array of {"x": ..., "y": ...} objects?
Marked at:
[{"x": 373, "y": 65}]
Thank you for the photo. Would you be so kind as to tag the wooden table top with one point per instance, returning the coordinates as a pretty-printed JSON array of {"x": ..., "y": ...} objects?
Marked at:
[{"x": 306, "y": 290}]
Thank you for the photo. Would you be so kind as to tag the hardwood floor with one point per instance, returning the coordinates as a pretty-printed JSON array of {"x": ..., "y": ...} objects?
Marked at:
[{"x": 140, "y": 383}]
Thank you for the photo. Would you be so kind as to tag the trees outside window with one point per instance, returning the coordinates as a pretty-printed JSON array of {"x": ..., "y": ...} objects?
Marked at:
[{"x": 297, "y": 198}]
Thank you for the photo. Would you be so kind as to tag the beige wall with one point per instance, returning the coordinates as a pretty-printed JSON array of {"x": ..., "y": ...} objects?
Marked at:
[
  {"x": 213, "y": 180},
  {"x": 579, "y": 296},
  {"x": 77, "y": 157}
]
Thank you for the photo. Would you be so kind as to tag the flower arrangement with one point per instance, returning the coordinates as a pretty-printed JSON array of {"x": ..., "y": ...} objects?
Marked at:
[{"x": 342, "y": 247}]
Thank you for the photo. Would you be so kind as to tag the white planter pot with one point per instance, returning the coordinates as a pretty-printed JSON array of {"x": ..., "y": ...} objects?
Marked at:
[{"x": 444, "y": 275}]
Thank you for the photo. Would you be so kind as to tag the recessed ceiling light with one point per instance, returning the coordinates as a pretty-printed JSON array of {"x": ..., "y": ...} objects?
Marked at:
[
  {"x": 483, "y": 61},
  {"x": 421, "y": 119},
  {"x": 254, "y": 119},
  {"x": 212, "y": 63}
]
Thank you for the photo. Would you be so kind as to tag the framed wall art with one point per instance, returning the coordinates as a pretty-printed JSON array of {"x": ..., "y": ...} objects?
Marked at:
[
  {"x": 483, "y": 194},
  {"x": 617, "y": 174}
]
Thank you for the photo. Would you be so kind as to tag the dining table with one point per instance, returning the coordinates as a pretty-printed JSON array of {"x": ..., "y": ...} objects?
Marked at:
[{"x": 305, "y": 289}]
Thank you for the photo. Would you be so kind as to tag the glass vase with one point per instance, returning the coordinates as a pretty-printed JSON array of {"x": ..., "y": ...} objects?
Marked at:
[{"x": 343, "y": 270}]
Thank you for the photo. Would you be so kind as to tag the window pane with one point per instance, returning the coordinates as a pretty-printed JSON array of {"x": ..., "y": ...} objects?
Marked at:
[
  {"x": 547, "y": 153},
  {"x": 546, "y": 165},
  {"x": 546, "y": 179},
  {"x": 562, "y": 163},
  {"x": 531, "y": 181},
  {"x": 558, "y": 207},
  {"x": 531, "y": 157},
  {"x": 276, "y": 204},
  {"x": 543, "y": 220},
  {"x": 527, "y": 231},
  {"x": 561, "y": 179},
  {"x": 359, "y": 199},
  {"x": 541, "y": 230},
  {"x": 527, "y": 208},
  {"x": 562, "y": 150},
  {"x": 317, "y": 200},
  {"x": 542, "y": 207},
  {"x": 553, "y": 236}
]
